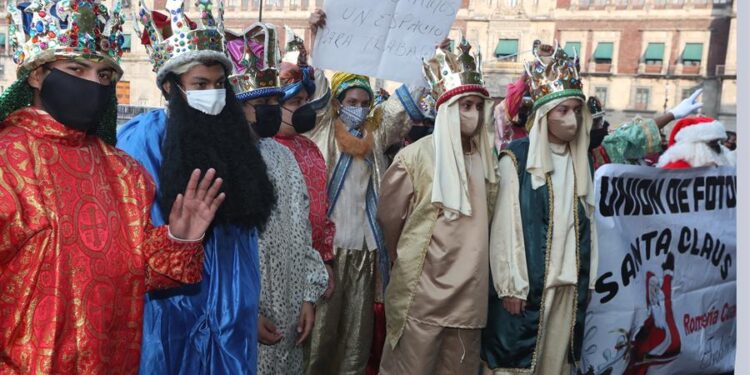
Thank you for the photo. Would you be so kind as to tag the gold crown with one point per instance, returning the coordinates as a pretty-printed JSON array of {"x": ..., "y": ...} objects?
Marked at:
[
  {"x": 448, "y": 74},
  {"x": 553, "y": 77},
  {"x": 171, "y": 40},
  {"x": 256, "y": 58},
  {"x": 43, "y": 30}
]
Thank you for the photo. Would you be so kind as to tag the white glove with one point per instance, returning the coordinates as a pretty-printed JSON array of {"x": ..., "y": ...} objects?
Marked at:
[{"x": 687, "y": 106}]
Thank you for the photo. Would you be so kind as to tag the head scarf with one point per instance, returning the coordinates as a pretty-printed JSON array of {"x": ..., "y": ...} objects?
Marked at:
[
  {"x": 540, "y": 162},
  {"x": 340, "y": 82},
  {"x": 450, "y": 188},
  {"x": 297, "y": 79}
]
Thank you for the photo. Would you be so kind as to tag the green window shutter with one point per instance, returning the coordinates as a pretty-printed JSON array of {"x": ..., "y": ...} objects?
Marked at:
[
  {"x": 506, "y": 47},
  {"x": 654, "y": 51},
  {"x": 693, "y": 52},
  {"x": 604, "y": 51},
  {"x": 2, "y": 40},
  {"x": 126, "y": 43},
  {"x": 571, "y": 46}
]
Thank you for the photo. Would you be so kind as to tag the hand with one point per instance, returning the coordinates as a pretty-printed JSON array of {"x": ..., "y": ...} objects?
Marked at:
[
  {"x": 193, "y": 212},
  {"x": 445, "y": 44},
  {"x": 515, "y": 306},
  {"x": 317, "y": 19},
  {"x": 687, "y": 106},
  {"x": 268, "y": 334},
  {"x": 331, "y": 284},
  {"x": 306, "y": 322}
]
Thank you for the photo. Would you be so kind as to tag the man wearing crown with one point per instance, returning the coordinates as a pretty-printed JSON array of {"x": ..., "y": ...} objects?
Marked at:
[
  {"x": 210, "y": 327},
  {"x": 542, "y": 249},
  {"x": 292, "y": 272},
  {"x": 435, "y": 215},
  {"x": 78, "y": 249}
]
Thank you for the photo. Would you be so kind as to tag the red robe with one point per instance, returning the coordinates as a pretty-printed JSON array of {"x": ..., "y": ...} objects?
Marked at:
[
  {"x": 77, "y": 251},
  {"x": 313, "y": 168}
]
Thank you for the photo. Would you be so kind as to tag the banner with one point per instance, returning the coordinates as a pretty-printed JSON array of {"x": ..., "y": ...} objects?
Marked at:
[
  {"x": 384, "y": 39},
  {"x": 665, "y": 300}
]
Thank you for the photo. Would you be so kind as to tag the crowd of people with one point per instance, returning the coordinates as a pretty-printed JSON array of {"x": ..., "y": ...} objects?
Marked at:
[{"x": 269, "y": 220}]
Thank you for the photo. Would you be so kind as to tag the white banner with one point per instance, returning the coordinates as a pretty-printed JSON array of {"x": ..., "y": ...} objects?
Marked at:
[
  {"x": 384, "y": 39},
  {"x": 665, "y": 298}
]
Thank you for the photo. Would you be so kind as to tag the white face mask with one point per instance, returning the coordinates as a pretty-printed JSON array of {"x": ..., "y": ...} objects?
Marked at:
[{"x": 210, "y": 102}]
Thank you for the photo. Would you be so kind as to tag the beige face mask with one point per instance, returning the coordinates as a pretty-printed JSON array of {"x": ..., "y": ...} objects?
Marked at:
[
  {"x": 469, "y": 123},
  {"x": 565, "y": 128}
]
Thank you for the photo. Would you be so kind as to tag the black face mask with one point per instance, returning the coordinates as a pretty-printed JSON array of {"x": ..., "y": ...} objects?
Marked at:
[
  {"x": 75, "y": 102},
  {"x": 303, "y": 119},
  {"x": 268, "y": 120},
  {"x": 417, "y": 132}
]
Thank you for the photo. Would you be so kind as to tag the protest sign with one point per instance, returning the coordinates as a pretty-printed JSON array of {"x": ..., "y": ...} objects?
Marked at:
[
  {"x": 664, "y": 301},
  {"x": 384, "y": 39}
]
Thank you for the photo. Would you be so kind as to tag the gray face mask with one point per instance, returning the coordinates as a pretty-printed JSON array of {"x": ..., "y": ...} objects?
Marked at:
[{"x": 353, "y": 117}]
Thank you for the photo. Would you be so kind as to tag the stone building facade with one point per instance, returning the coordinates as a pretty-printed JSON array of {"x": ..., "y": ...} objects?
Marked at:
[{"x": 638, "y": 56}]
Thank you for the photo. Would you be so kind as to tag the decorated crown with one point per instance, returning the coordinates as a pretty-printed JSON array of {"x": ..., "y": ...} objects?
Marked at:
[
  {"x": 449, "y": 75},
  {"x": 255, "y": 55},
  {"x": 44, "y": 30},
  {"x": 175, "y": 39},
  {"x": 553, "y": 77}
]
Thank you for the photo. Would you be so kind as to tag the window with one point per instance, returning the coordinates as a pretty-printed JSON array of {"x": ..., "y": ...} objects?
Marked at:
[
  {"x": 600, "y": 3},
  {"x": 232, "y": 4},
  {"x": 642, "y": 98},
  {"x": 636, "y": 2},
  {"x": 573, "y": 49},
  {"x": 686, "y": 93},
  {"x": 2, "y": 42},
  {"x": 692, "y": 54},
  {"x": 585, "y": 3},
  {"x": 512, "y": 3},
  {"x": 294, "y": 3},
  {"x": 623, "y": 3},
  {"x": 244, "y": 5},
  {"x": 660, "y": 2},
  {"x": 603, "y": 53},
  {"x": 2, "y": 72},
  {"x": 654, "y": 54},
  {"x": 507, "y": 49},
  {"x": 601, "y": 93}
]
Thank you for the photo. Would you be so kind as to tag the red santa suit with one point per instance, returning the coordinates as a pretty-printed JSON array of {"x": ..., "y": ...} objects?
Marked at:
[{"x": 688, "y": 145}]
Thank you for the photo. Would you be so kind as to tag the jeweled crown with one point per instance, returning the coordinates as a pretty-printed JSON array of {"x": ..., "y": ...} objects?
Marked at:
[
  {"x": 553, "y": 77},
  {"x": 44, "y": 30},
  {"x": 446, "y": 71},
  {"x": 168, "y": 37},
  {"x": 256, "y": 58}
]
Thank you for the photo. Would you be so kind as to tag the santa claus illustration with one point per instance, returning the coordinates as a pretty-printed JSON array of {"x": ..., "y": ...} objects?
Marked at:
[{"x": 658, "y": 340}]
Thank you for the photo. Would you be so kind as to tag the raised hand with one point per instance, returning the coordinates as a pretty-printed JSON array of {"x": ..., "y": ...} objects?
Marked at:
[
  {"x": 317, "y": 19},
  {"x": 687, "y": 106},
  {"x": 193, "y": 212}
]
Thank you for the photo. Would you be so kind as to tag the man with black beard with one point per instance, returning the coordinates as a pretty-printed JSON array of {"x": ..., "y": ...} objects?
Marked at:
[{"x": 210, "y": 327}]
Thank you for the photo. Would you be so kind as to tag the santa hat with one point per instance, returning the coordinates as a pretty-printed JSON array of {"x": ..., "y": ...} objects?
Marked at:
[{"x": 697, "y": 129}]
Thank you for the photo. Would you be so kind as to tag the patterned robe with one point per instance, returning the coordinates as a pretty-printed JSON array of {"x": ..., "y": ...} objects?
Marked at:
[
  {"x": 291, "y": 269},
  {"x": 77, "y": 251},
  {"x": 313, "y": 167}
]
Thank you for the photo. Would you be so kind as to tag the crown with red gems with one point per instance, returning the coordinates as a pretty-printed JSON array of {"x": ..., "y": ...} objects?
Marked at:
[
  {"x": 449, "y": 75},
  {"x": 553, "y": 77},
  {"x": 256, "y": 58},
  {"x": 173, "y": 40},
  {"x": 43, "y": 31}
]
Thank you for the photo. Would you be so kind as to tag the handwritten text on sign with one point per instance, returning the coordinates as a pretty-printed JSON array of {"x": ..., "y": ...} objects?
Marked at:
[{"x": 384, "y": 39}]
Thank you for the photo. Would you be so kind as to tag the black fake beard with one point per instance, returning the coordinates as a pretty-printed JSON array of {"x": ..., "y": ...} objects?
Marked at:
[{"x": 225, "y": 143}]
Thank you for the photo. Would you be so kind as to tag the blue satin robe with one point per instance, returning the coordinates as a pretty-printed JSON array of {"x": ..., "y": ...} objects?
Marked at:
[{"x": 210, "y": 327}]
